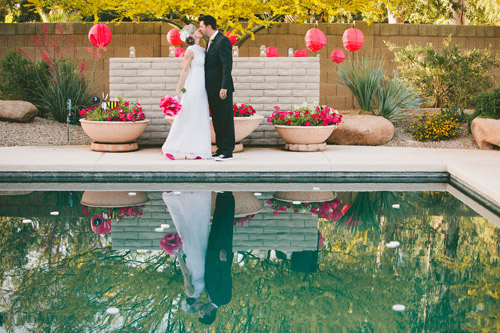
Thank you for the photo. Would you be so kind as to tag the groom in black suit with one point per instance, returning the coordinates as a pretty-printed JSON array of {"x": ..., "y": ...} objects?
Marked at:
[{"x": 219, "y": 86}]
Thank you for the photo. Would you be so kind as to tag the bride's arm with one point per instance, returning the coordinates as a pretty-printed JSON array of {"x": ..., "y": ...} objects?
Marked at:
[{"x": 188, "y": 57}]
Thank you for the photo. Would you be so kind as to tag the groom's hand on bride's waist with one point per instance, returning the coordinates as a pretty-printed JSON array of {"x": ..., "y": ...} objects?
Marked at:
[{"x": 223, "y": 93}]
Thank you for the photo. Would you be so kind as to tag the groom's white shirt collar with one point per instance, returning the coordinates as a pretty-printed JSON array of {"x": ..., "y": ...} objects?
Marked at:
[{"x": 210, "y": 40}]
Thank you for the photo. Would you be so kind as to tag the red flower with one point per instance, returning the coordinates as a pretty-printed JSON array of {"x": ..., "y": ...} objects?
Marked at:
[{"x": 170, "y": 242}]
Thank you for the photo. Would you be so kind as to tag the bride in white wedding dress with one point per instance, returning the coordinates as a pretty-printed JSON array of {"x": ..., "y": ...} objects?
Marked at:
[
  {"x": 189, "y": 136},
  {"x": 190, "y": 212}
]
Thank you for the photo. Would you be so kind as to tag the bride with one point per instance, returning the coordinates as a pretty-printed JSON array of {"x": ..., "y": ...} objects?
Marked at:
[{"x": 189, "y": 136}]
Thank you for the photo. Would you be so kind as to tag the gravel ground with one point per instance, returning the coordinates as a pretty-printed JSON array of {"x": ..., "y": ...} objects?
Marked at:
[{"x": 44, "y": 132}]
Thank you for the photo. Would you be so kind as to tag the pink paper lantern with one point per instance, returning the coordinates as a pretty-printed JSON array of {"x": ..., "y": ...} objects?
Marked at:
[
  {"x": 174, "y": 37},
  {"x": 232, "y": 37},
  {"x": 100, "y": 225},
  {"x": 353, "y": 39},
  {"x": 179, "y": 52},
  {"x": 315, "y": 39},
  {"x": 337, "y": 56},
  {"x": 300, "y": 53},
  {"x": 271, "y": 51},
  {"x": 100, "y": 35}
]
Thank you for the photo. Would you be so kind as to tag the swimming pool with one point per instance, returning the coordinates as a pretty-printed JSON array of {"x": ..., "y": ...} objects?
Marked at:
[{"x": 303, "y": 257}]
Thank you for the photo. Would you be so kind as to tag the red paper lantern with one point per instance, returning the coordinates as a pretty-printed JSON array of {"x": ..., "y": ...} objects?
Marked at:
[
  {"x": 179, "y": 52},
  {"x": 315, "y": 39},
  {"x": 174, "y": 37},
  {"x": 353, "y": 39},
  {"x": 337, "y": 56},
  {"x": 271, "y": 51},
  {"x": 232, "y": 37},
  {"x": 100, "y": 225},
  {"x": 300, "y": 53},
  {"x": 100, "y": 35}
]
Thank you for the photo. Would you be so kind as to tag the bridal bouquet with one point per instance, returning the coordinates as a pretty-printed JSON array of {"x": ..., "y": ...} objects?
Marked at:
[
  {"x": 171, "y": 242},
  {"x": 169, "y": 105}
]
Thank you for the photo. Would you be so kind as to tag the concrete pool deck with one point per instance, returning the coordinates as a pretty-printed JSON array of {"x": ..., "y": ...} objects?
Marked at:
[{"x": 476, "y": 169}]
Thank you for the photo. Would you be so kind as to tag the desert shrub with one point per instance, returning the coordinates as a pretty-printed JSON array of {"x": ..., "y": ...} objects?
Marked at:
[
  {"x": 362, "y": 77},
  {"x": 394, "y": 98},
  {"x": 17, "y": 78},
  {"x": 448, "y": 77},
  {"x": 487, "y": 105},
  {"x": 443, "y": 125}
]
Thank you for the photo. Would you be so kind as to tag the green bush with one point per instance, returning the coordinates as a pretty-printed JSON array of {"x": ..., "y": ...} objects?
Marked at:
[
  {"x": 362, "y": 77},
  {"x": 395, "y": 97},
  {"x": 449, "y": 77},
  {"x": 487, "y": 105},
  {"x": 443, "y": 125},
  {"x": 17, "y": 78}
]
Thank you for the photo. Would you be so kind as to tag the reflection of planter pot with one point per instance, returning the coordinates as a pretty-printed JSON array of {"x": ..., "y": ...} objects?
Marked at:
[
  {"x": 305, "y": 138},
  {"x": 245, "y": 203},
  {"x": 243, "y": 126},
  {"x": 304, "y": 196},
  {"x": 114, "y": 136},
  {"x": 113, "y": 199}
]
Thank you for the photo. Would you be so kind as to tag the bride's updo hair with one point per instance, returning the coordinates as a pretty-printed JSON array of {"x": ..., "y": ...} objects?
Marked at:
[{"x": 186, "y": 33}]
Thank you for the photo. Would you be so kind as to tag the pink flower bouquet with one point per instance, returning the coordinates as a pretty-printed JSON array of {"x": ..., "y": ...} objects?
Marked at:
[
  {"x": 169, "y": 105},
  {"x": 171, "y": 242}
]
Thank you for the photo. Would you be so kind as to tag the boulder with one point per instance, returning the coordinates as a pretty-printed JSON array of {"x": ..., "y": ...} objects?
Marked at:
[
  {"x": 365, "y": 130},
  {"x": 486, "y": 132},
  {"x": 19, "y": 111}
]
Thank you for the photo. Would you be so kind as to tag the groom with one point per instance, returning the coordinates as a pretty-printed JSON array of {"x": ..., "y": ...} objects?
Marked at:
[{"x": 219, "y": 86}]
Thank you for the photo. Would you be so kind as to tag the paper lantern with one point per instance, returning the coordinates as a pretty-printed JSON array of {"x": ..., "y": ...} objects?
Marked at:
[
  {"x": 100, "y": 225},
  {"x": 179, "y": 52},
  {"x": 353, "y": 39},
  {"x": 174, "y": 37},
  {"x": 100, "y": 35},
  {"x": 232, "y": 38},
  {"x": 315, "y": 39},
  {"x": 337, "y": 56},
  {"x": 300, "y": 53},
  {"x": 271, "y": 51}
]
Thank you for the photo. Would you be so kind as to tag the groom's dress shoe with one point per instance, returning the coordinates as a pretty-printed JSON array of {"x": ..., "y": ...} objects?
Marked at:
[
  {"x": 215, "y": 154},
  {"x": 223, "y": 157}
]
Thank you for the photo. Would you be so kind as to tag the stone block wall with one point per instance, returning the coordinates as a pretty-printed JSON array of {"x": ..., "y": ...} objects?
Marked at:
[
  {"x": 261, "y": 82},
  {"x": 288, "y": 232}
]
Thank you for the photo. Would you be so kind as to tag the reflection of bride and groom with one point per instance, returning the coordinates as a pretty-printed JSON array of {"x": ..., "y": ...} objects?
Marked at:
[
  {"x": 208, "y": 250},
  {"x": 206, "y": 78}
]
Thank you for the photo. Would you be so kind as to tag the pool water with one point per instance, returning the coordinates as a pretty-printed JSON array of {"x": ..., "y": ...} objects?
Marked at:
[{"x": 273, "y": 261}]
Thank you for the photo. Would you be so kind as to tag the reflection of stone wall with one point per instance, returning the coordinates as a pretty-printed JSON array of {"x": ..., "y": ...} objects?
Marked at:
[
  {"x": 261, "y": 82},
  {"x": 285, "y": 232}
]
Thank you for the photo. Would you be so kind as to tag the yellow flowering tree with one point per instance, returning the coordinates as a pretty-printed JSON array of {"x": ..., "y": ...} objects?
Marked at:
[{"x": 244, "y": 17}]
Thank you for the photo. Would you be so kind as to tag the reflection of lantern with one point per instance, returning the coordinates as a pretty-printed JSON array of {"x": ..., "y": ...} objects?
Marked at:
[
  {"x": 100, "y": 225},
  {"x": 179, "y": 52},
  {"x": 100, "y": 35},
  {"x": 337, "y": 56},
  {"x": 315, "y": 39},
  {"x": 300, "y": 53},
  {"x": 232, "y": 37},
  {"x": 353, "y": 39},
  {"x": 271, "y": 51},
  {"x": 174, "y": 37}
]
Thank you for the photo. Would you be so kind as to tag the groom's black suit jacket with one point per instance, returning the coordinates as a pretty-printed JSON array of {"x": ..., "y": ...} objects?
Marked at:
[{"x": 218, "y": 66}]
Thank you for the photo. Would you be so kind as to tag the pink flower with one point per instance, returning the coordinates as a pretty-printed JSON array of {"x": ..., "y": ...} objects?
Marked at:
[
  {"x": 170, "y": 242},
  {"x": 308, "y": 123},
  {"x": 345, "y": 209},
  {"x": 126, "y": 104},
  {"x": 169, "y": 106}
]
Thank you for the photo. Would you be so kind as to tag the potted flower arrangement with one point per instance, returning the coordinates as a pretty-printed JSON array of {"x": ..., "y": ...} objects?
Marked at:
[
  {"x": 307, "y": 127},
  {"x": 115, "y": 127}
]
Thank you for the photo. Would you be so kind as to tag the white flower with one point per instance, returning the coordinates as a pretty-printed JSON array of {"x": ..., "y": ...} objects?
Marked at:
[{"x": 184, "y": 35}]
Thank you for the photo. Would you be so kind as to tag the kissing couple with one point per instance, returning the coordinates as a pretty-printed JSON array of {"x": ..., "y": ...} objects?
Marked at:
[{"x": 206, "y": 78}]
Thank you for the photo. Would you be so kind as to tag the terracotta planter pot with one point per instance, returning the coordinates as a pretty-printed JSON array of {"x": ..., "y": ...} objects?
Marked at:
[
  {"x": 243, "y": 126},
  {"x": 114, "y": 136},
  {"x": 113, "y": 199},
  {"x": 245, "y": 203},
  {"x": 305, "y": 138},
  {"x": 114, "y": 131},
  {"x": 304, "y": 196}
]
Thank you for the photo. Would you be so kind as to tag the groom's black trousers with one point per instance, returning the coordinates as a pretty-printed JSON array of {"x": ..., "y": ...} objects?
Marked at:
[{"x": 222, "y": 118}]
